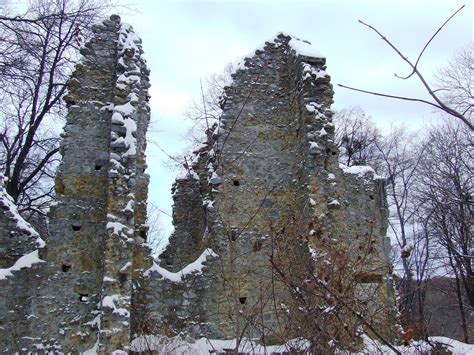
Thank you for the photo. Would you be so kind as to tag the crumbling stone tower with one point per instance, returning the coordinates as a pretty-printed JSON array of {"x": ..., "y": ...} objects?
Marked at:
[
  {"x": 268, "y": 173},
  {"x": 88, "y": 282},
  {"x": 99, "y": 220}
]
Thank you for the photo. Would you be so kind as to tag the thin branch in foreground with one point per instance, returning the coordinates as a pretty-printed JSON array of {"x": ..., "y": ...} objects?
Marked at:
[
  {"x": 431, "y": 39},
  {"x": 439, "y": 103},
  {"x": 391, "y": 96}
]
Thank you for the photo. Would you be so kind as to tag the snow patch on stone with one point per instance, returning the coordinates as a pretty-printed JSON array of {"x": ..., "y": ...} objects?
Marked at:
[
  {"x": 304, "y": 48},
  {"x": 94, "y": 350},
  {"x": 194, "y": 268},
  {"x": 309, "y": 72},
  {"x": 361, "y": 170},
  {"x": 110, "y": 302},
  {"x": 26, "y": 261},
  {"x": 7, "y": 201}
]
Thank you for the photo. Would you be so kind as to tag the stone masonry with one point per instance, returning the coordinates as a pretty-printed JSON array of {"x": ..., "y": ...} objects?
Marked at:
[
  {"x": 82, "y": 297},
  {"x": 267, "y": 175},
  {"x": 19, "y": 264},
  {"x": 269, "y": 163}
]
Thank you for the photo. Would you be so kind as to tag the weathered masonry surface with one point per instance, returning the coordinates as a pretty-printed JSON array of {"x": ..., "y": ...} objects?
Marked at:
[
  {"x": 267, "y": 173},
  {"x": 269, "y": 164},
  {"x": 79, "y": 293}
]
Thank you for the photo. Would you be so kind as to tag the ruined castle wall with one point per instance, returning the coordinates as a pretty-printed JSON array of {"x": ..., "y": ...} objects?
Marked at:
[
  {"x": 83, "y": 296},
  {"x": 266, "y": 178},
  {"x": 270, "y": 164},
  {"x": 20, "y": 273},
  {"x": 127, "y": 193},
  {"x": 257, "y": 183},
  {"x": 77, "y": 220}
]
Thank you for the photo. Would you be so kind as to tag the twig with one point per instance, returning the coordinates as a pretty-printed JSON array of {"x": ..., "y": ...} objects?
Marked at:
[
  {"x": 390, "y": 96},
  {"x": 438, "y": 103},
  {"x": 431, "y": 39}
]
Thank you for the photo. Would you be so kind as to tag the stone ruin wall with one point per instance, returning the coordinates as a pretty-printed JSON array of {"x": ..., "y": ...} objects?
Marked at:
[
  {"x": 270, "y": 160},
  {"x": 81, "y": 296}
]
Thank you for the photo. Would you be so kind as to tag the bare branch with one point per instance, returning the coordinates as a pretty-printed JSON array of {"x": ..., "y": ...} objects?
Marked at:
[
  {"x": 438, "y": 103},
  {"x": 390, "y": 96}
]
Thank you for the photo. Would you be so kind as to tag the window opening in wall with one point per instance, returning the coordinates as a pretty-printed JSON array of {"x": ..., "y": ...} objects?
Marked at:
[
  {"x": 83, "y": 297},
  {"x": 242, "y": 300},
  {"x": 236, "y": 182},
  {"x": 66, "y": 267},
  {"x": 371, "y": 197},
  {"x": 76, "y": 227},
  {"x": 98, "y": 167},
  {"x": 143, "y": 234}
]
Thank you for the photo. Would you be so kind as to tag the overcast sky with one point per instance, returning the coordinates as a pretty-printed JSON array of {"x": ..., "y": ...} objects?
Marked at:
[{"x": 185, "y": 41}]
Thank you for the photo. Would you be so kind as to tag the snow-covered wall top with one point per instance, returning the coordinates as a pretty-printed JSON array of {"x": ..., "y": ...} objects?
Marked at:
[{"x": 17, "y": 236}]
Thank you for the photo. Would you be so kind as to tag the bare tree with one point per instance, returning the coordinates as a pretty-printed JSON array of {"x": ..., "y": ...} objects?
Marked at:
[
  {"x": 401, "y": 156},
  {"x": 356, "y": 137},
  {"x": 156, "y": 234},
  {"x": 207, "y": 110},
  {"x": 37, "y": 51},
  {"x": 450, "y": 108},
  {"x": 445, "y": 191},
  {"x": 455, "y": 82}
]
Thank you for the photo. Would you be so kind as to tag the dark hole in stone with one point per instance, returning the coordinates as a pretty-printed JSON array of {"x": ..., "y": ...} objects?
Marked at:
[
  {"x": 123, "y": 278},
  {"x": 242, "y": 300},
  {"x": 333, "y": 153},
  {"x": 257, "y": 246},
  {"x": 371, "y": 197},
  {"x": 66, "y": 267},
  {"x": 76, "y": 227},
  {"x": 236, "y": 182},
  {"x": 98, "y": 167},
  {"x": 143, "y": 234},
  {"x": 83, "y": 297},
  {"x": 234, "y": 235}
]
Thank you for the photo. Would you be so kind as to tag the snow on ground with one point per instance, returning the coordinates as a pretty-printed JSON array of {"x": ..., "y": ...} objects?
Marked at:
[
  {"x": 187, "y": 346},
  {"x": 457, "y": 347},
  {"x": 417, "y": 347}
]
